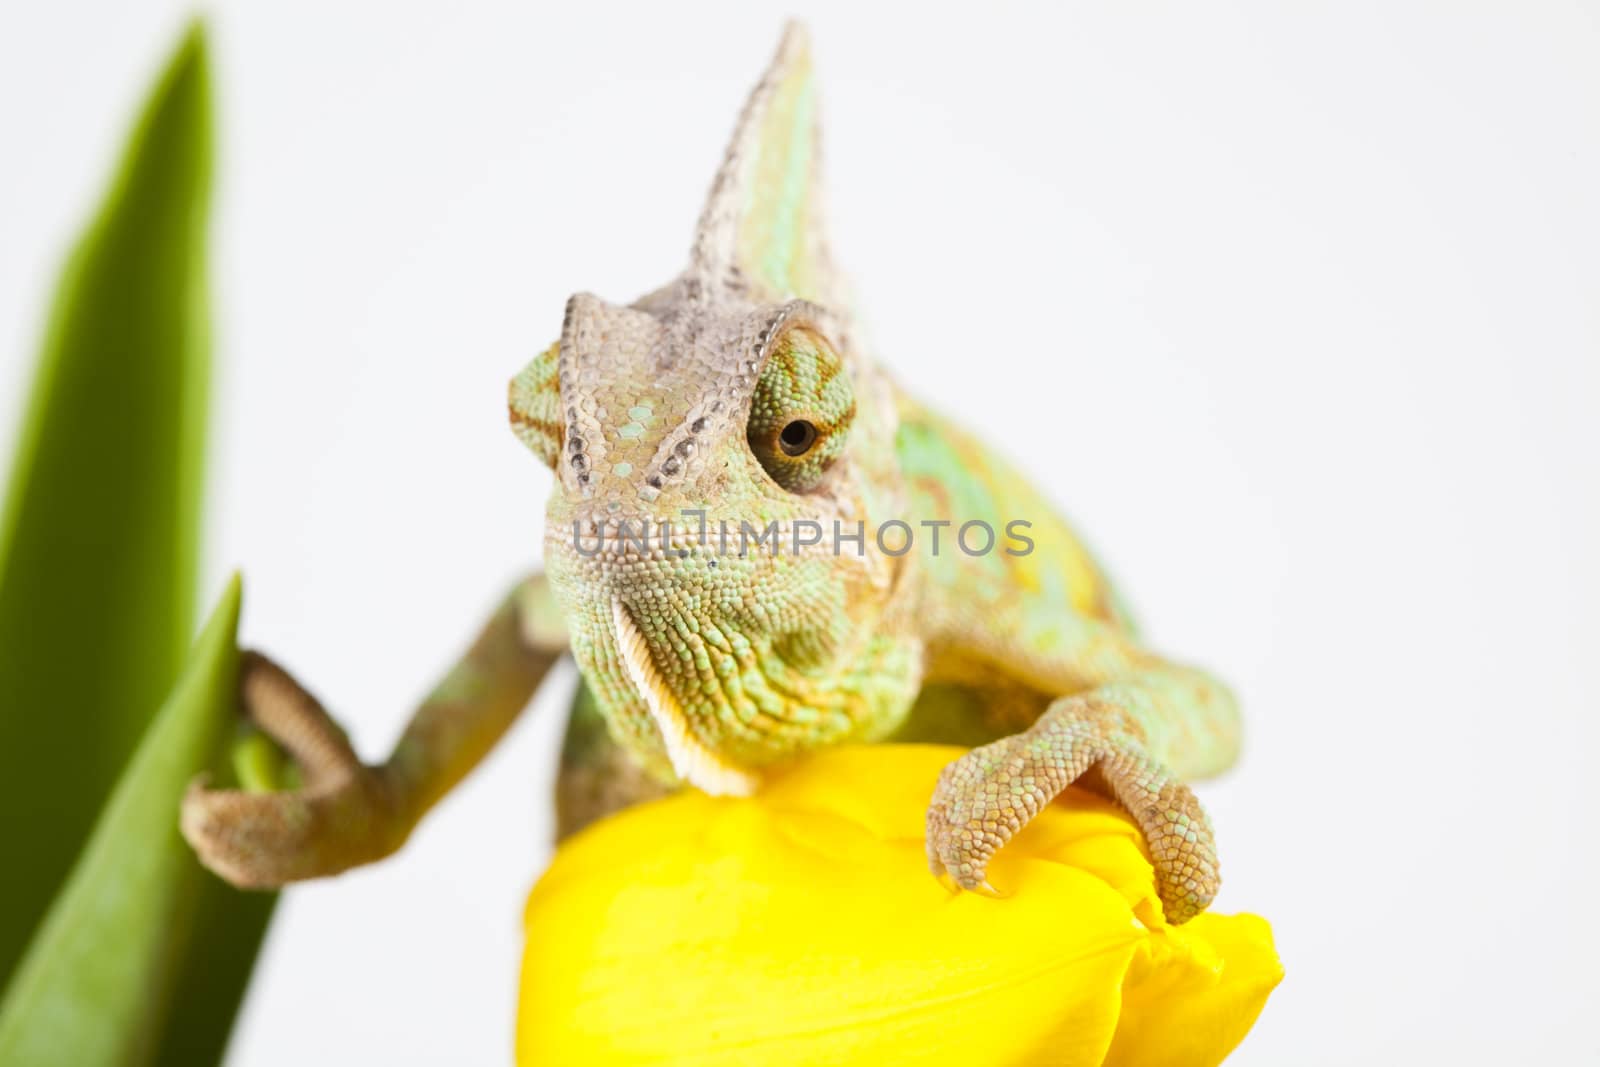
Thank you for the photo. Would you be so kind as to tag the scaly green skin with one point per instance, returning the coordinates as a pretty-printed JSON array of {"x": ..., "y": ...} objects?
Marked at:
[{"x": 741, "y": 396}]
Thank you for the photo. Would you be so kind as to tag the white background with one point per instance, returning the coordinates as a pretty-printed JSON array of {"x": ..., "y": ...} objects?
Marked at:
[{"x": 1293, "y": 307}]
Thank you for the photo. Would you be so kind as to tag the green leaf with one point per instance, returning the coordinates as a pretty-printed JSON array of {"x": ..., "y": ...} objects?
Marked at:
[
  {"x": 95, "y": 985},
  {"x": 224, "y": 930},
  {"x": 98, "y": 536},
  {"x": 143, "y": 956}
]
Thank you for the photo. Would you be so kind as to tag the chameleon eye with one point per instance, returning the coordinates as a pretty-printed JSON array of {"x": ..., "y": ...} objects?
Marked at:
[
  {"x": 797, "y": 438},
  {"x": 801, "y": 411}
]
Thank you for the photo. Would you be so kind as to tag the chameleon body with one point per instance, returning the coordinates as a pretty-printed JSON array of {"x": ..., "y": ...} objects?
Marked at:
[{"x": 758, "y": 545}]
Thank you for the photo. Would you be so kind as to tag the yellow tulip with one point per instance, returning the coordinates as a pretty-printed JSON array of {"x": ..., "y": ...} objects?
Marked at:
[{"x": 801, "y": 926}]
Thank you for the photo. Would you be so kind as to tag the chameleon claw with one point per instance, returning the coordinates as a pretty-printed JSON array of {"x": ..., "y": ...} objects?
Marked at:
[{"x": 953, "y": 885}]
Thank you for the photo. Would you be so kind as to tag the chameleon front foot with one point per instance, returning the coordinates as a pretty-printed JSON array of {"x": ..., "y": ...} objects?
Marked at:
[
  {"x": 986, "y": 796},
  {"x": 344, "y": 814}
]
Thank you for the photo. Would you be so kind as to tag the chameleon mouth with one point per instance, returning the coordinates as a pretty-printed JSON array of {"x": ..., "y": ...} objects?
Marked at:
[{"x": 691, "y": 759}]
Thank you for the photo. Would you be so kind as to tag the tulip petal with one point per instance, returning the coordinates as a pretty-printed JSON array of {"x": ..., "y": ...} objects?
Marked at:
[
  {"x": 802, "y": 926},
  {"x": 1193, "y": 995}
]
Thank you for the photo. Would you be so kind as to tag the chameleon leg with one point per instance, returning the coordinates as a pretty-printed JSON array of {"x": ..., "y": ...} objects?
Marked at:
[
  {"x": 346, "y": 813},
  {"x": 597, "y": 776},
  {"x": 342, "y": 814},
  {"x": 1111, "y": 734}
]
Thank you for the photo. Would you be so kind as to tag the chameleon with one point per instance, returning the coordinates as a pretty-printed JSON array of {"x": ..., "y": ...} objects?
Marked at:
[{"x": 742, "y": 397}]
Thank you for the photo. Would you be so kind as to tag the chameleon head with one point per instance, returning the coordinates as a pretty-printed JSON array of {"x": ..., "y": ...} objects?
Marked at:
[{"x": 723, "y": 454}]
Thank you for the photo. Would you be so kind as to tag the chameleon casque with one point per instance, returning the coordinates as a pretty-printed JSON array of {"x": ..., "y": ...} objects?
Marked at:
[{"x": 742, "y": 392}]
